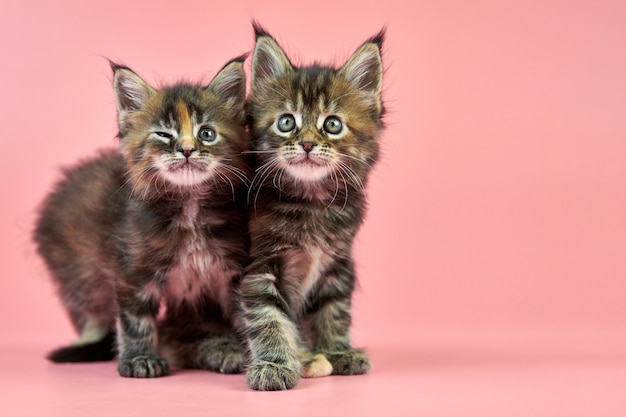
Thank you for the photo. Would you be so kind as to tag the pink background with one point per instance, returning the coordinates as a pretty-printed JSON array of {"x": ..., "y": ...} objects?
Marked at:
[{"x": 492, "y": 263}]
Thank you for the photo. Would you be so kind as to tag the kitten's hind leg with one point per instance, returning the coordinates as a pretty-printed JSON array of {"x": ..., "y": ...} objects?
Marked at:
[
  {"x": 330, "y": 324},
  {"x": 189, "y": 340},
  {"x": 218, "y": 353},
  {"x": 221, "y": 354},
  {"x": 315, "y": 366},
  {"x": 348, "y": 362},
  {"x": 96, "y": 344}
]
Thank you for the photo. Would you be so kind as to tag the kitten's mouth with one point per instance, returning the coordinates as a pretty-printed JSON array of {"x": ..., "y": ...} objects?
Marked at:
[
  {"x": 186, "y": 165},
  {"x": 186, "y": 172},
  {"x": 306, "y": 160},
  {"x": 308, "y": 168}
]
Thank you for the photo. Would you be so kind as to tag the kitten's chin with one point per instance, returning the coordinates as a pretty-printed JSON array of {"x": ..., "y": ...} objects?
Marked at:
[
  {"x": 186, "y": 176},
  {"x": 307, "y": 171}
]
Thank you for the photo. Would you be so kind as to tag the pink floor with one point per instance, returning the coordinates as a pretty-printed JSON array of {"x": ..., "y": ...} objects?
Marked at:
[{"x": 452, "y": 373}]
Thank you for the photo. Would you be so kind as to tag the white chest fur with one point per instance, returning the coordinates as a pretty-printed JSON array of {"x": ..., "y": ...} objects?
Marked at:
[
  {"x": 304, "y": 268},
  {"x": 199, "y": 267}
]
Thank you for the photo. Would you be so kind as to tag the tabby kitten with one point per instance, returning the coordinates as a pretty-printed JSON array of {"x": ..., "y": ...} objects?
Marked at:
[
  {"x": 145, "y": 242},
  {"x": 315, "y": 132}
]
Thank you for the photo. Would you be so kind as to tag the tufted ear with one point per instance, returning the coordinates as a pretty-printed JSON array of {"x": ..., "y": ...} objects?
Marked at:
[
  {"x": 230, "y": 81},
  {"x": 131, "y": 92},
  {"x": 269, "y": 60},
  {"x": 364, "y": 69}
]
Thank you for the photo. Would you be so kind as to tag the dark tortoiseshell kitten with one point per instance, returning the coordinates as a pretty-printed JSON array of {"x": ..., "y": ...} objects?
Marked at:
[
  {"x": 146, "y": 241},
  {"x": 314, "y": 132}
]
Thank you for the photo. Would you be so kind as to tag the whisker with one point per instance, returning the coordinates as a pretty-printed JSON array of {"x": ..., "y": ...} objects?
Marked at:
[
  {"x": 240, "y": 174},
  {"x": 332, "y": 172},
  {"x": 357, "y": 182},
  {"x": 354, "y": 158},
  {"x": 259, "y": 152},
  {"x": 345, "y": 199},
  {"x": 265, "y": 176},
  {"x": 225, "y": 178}
]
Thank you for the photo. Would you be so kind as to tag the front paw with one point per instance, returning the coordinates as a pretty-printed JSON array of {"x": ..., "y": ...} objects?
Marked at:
[
  {"x": 348, "y": 362},
  {"x": 222, "y": 355},
  {"x": 145, "y": 366},
  {"x": 270, "y": 376}
]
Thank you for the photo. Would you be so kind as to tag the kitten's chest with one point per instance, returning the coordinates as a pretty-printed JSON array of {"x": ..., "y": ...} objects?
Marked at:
[
  {"x": 303, "y": 268},
  {"x": 198, "y": 269}
]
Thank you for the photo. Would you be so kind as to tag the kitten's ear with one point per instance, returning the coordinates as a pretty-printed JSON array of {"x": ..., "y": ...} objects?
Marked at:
[
  {"x": 364, "y": 69},
  {"x": 131, "y": 92},
  {"x": 230, "y": 81},
  {"x": 269, "y": 60}
]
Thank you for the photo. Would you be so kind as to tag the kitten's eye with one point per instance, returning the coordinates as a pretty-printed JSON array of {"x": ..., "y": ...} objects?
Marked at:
[
  {"x": 286, "y": 123},
  {"x": 206, "y": 134},
  {"x": 333, "y": 125},
  {"x": 164, "y": 135}
]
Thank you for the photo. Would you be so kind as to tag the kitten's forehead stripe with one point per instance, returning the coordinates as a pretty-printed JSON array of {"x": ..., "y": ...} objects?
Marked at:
[{"x": 186, "y": 124}]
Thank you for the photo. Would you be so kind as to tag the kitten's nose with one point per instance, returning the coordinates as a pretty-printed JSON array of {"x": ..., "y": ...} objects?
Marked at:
[
  {"x": 307, "y": 145},
  {"x": 186, "y": 150}
]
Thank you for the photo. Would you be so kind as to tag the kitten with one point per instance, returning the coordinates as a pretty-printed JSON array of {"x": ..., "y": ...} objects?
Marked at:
[
  {"x": 314, "y": 132},
  {"x": 146, "y": 241}
]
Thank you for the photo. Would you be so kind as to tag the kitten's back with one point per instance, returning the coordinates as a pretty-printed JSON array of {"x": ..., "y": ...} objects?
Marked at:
[{"x": 75, "y": 236}]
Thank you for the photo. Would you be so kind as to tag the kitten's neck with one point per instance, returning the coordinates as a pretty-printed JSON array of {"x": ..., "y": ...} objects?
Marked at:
[
  {"x": 326, "y": 192},
  {"x": 324, "y": 197},
  {"x": 161, "y": 193}
]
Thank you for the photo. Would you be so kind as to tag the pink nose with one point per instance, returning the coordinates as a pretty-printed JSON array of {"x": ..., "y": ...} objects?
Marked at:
[
  {"x": 307, "y": 145},
  {"x": 186, "y": 150}
]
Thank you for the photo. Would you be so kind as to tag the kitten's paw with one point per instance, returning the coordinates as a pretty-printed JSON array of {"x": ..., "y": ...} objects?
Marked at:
[
  {"x": 270, "y": 376},
  {"x": 348, "y": 362},
  {"x": 143, "y": 367},
  {"x": 316, "y": 366},
  {"x": 221, "y": 354}
]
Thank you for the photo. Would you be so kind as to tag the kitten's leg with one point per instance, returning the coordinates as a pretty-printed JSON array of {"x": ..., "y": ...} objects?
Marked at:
[
  {"x": 92, "y": 332},
  {"x": 190, "y": 341},
  {"x": 137, "y": 336},
  {"x": 218, "y": 353},
  {"x": 96, "y": 343},
  {"x": 272, "y": 337},
  {"x": 315, "y": 365},
  {"x": 331, "y": 320},
  {"x": 221, "y": 353},
  {"x": 90, "y": 308}
]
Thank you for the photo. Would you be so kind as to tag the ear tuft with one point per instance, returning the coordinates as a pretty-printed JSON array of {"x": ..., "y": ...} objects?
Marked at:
[
  {"x": 379, "y": 38},
  {"x": 259, "y": 31}
]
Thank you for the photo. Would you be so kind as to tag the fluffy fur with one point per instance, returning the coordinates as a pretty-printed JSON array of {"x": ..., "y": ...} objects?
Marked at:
[
  {"x": 146, "y": 241},
  {"x": 314, "y": 131}
]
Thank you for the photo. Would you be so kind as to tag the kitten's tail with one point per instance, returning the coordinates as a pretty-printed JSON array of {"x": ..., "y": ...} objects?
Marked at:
[{"x": 98, "y": 351}]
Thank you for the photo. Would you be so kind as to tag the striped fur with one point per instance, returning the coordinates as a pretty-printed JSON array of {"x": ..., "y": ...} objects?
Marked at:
[
  {"x": 314, "y": 132},
  {"x": 145, "y": 242}
]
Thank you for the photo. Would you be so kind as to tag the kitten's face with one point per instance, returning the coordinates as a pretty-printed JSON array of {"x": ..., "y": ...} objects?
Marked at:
[
  {"x": 183, "y": 136},
  {"x": 315, "y": 126}
]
